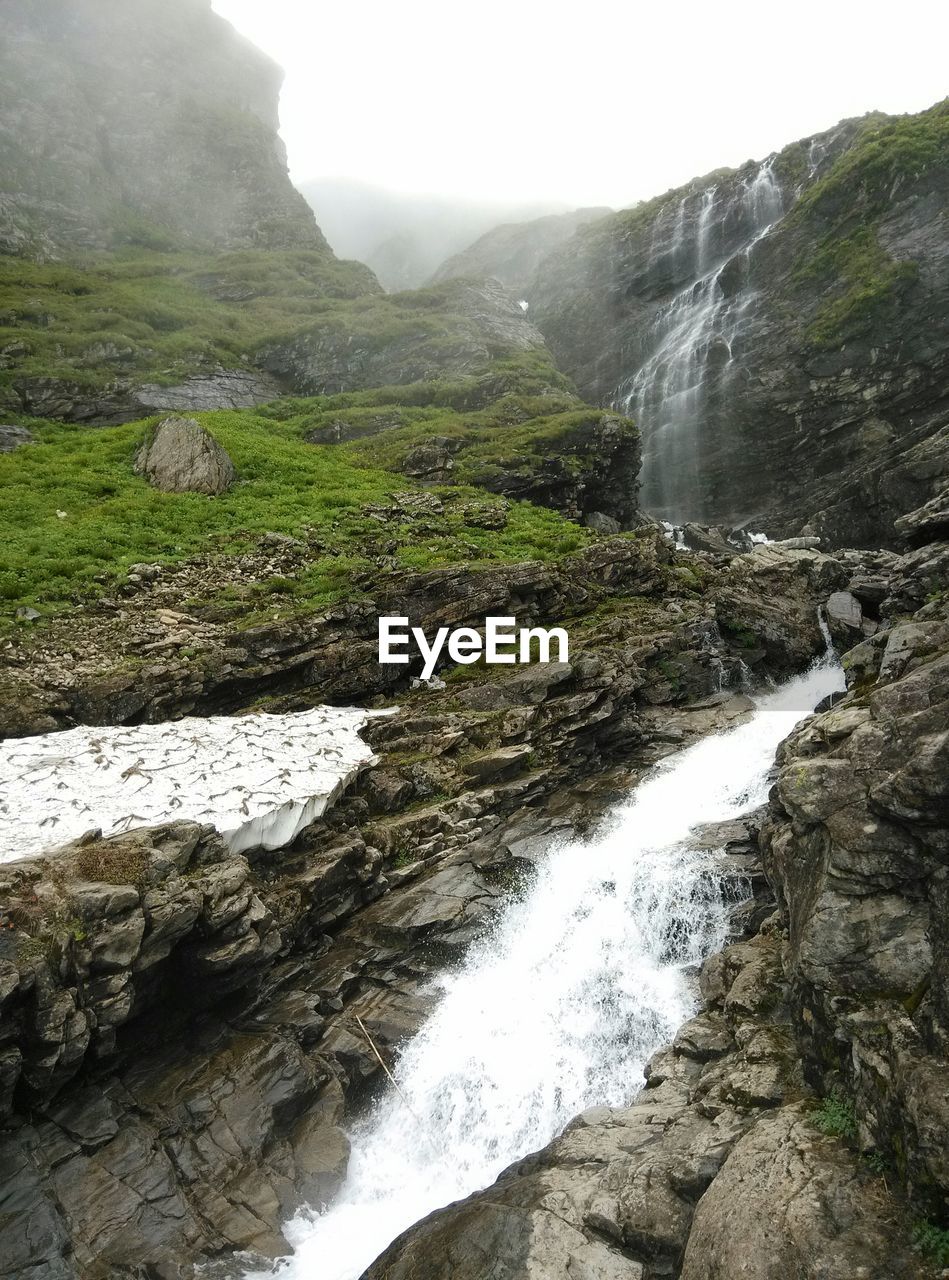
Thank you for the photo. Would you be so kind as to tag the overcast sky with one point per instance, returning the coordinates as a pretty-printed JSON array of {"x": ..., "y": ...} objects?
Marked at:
[{"x": 599, "y": 102}]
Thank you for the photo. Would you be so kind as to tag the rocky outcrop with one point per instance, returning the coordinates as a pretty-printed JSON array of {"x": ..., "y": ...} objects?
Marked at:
[
  {"x": 180, "y": 456},
  {"x": 799, "y": 1119},
  {"x": 139, "y": 663},
  {"x": 856, "y": 847},
  {"x": 778, "y": 333},
  {"x": 12, "y": 437},
  {"x": 219, "y": 389},
  {"x": 140, "y": 123},
  {"x": 514, "y": 251},
  {"x": 450, "y": 331},
  {"x": 179, "y": 1034}
]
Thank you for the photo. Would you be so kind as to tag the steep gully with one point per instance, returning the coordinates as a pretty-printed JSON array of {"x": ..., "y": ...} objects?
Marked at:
[{"x": 559, "y": 1007}]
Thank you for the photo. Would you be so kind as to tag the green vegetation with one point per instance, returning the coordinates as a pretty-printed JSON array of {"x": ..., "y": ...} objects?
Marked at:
[
  {"x": 836, "y": 1116},
  {"x": 888, "y": 153},
  {"x": 108, "y": 862},
  {"x": 932, "y": 1242},
  {"x": 867, "y": 284},
  {"x": 840, "y": 213},
  {"x": 75, "y": 514},
  {"x": 161, "y": 315}
]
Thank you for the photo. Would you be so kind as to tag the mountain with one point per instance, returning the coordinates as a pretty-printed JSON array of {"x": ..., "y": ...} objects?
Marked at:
[
  {"x": 513, "y": 252},
  {"x": 150, "y": 123},
  {"x": 780, "y": 332},
  {"x": 404, "y": 238}
]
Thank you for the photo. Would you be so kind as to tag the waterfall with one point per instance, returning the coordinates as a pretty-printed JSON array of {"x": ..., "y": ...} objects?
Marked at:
[
  {"x": 579, "y": 982},
  {"x": 691, "y": 341}
]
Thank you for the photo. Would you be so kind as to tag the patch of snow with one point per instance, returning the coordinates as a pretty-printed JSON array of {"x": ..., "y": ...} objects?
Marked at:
[
  {"x": 259, "y": 779},
  {"x": 523, "y": 304},
  {"x": 760, "y": 539}
]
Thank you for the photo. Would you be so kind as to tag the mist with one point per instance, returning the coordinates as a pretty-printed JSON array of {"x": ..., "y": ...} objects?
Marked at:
[{"x": 549, "y": 103}]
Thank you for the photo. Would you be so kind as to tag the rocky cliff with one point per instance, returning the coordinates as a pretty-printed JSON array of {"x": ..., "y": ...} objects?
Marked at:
[
  {"x": 180, "y": 1042},
  {"x": 140, "y": 123},
  {"x": 778, "y": 332},
  {"x": 798, "y": 1120}
]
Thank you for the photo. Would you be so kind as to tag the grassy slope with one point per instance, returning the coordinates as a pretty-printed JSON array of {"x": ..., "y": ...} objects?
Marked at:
[
  {"x": 163, "y": 315},
  {"x": 111, "y": 518}
]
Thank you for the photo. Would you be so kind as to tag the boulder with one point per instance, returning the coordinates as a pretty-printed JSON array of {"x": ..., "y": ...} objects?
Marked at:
[
  {"x": 13, "y": 437},
  {"x": 789, "y": 1201},
  {"x": 845, "y": 608},
  {"x": 180, "y": 456}
]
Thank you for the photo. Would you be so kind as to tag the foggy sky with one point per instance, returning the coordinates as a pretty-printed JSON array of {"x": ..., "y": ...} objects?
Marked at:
[{"x": 604, "y": 102}]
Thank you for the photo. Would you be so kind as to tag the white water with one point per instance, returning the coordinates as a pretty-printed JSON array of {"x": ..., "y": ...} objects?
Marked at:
[
  {"x": 558, "y": 1010},
  {"x": 695, "y": 334}
]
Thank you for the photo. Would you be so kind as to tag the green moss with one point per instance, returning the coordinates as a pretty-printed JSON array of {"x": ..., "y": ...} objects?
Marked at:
[
  {"x": 889, "y": 154},
  {"x": 840, "y": 213},
  {"x": 108, "y": 862},
  {"x": 865, "y": 282}
]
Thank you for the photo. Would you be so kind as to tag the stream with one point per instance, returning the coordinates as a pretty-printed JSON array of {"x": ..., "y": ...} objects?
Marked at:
[{"x": 558, "y": 1009}]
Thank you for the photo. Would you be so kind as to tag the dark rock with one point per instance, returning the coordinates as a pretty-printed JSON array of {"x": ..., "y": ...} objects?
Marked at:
[{"x": 853, "y": 396}]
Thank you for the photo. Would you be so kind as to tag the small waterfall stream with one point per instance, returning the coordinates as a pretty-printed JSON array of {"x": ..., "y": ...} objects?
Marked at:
[
  {"x": 691, "y": 342},
  {"x": 579, "y": 982}
]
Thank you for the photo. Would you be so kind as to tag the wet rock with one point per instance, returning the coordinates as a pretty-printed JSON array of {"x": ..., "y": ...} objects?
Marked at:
[{"x": 180, "y": 456}]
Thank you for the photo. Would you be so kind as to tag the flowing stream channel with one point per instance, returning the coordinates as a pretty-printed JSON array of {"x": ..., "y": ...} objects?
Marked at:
[{"x": 558, "y": 1009}]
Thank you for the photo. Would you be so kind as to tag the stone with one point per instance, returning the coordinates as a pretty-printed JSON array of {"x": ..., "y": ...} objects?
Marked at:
[
  {"x": 845, "y": 608},
  {"x": 13, "y": 437},
  {"x": 789, "y": 1200},
  {"x": 599, "y": 522},
  {"x": 179, "y": 456}
]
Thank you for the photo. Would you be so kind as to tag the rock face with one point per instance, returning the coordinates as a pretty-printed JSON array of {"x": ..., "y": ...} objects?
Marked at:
[
  {"x": 779, "y": 333},
  {"x": 12, "y": 437},
  {"x": 513, "y": 252},
  {"x": 176, "y": 1014},
  {"x": 764, "y": 613},
  {"x": 726, "y": 1164},
  {"x": 179, "y": 1038},
  {"x": 139, "y": 121},
  {"x": 179, "y": 456},
  {"x": 856, "y": 848},
  {"x": 448, "y": 332}
]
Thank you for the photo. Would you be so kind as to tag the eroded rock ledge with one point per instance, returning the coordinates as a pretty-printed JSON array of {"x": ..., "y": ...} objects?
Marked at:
[
  {"x": 179, "y": 1040},
  {"x": 724, "y": 1165}
]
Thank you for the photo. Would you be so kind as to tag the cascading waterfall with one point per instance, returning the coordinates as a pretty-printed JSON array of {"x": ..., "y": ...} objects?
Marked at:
[
  {"x": 579, "y": 982},
  {"x": 691, "y": 341}
]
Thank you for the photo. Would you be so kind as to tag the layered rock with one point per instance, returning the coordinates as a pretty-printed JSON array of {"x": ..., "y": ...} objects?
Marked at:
[
  {"x": 727, "y": 1163},
  {"x": 173, "y": 664},
  {"x": 448, "y": 332},
  {"x": 778, "y": 333},
  {"x": 177, "y": 1014},
  {"x": 180, "y": 456},
  {"x": 140, "y": 123}
]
